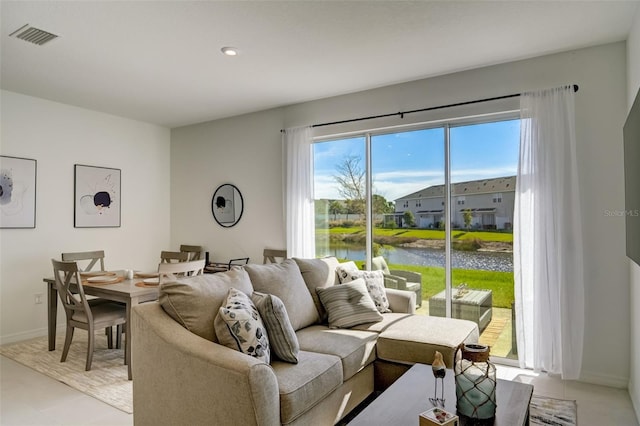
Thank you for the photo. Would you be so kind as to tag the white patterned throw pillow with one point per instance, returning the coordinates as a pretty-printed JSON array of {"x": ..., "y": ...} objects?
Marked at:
[
  {"x": 375, "y": 285},
  {"x": 238, "y": 326}
]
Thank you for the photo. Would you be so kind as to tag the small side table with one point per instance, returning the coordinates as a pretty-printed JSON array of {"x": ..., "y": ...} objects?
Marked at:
[
  {"x": 474, "y": 305},
  {"x": 213, "y": 267}
]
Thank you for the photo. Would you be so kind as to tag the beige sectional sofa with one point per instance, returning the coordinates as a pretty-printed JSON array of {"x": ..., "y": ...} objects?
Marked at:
[{"x": 182, "y": 375}]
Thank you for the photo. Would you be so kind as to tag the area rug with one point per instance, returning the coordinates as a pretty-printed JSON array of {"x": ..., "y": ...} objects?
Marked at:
[
  {"x": 552, "y": 412},
  {"x": 107, "y": 380}
]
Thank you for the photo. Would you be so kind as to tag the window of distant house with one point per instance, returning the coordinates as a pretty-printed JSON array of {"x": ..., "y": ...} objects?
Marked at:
[
  {"x": 497, "y": 198},
  {"x": 461, "y": 201}
]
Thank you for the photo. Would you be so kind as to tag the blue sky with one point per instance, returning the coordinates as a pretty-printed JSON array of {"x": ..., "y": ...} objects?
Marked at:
[{"x": 406, "y": 162}]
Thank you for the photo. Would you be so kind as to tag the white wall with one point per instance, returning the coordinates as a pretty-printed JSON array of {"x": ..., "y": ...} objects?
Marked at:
[
  {"x": 59, "y": 136},
  {"x": 633, "y": 85},
  {"x": 246, "y": 151}
]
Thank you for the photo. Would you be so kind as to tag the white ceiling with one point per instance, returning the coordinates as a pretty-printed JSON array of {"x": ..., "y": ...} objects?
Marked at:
[{"x": 160, "y": 61}]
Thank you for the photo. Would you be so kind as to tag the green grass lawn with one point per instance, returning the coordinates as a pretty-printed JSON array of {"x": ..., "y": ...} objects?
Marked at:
[
  {"x": 423, "y": 234},
  {"x": 433, "y": 281}
]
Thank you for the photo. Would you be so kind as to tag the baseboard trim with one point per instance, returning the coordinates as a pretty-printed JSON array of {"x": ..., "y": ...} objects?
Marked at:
[
  {"x": 604, "y": 380},
  {"x": 635, "y": 399},
  {"x": 26, "y": 335}
]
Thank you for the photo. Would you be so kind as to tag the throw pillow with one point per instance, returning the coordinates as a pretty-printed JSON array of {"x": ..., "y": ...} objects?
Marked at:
[
  {"x": 344, "y": 268},
  {"x": 285, "y": 281},
  {"x": 318, "y": 273},
  {"x": 282, "y": 338},
  {"x": 193, "y": 302},
  {"x": 349, "y": 304},
  {"x": 375, "y": 286},
  {"x": 239, "y": 326}
]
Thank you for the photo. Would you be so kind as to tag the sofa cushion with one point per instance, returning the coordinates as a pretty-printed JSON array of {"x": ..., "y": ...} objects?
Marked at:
[
  {"x": 303, "y": 385},
  {"x": 285, "y": 281},
  {"x": 239, "y": 326},
  {"x": 318, "y": 273},
  {"x": 375, "y": 286},
  {"x": 415, "y": 338},
  {"x": 349, "y": 304},
  {"x": 387, "y": 320},
  {"x": 193, "y": 302},
  {"x": 282, "y": 336},
  {"x": 356, "y": 348}
]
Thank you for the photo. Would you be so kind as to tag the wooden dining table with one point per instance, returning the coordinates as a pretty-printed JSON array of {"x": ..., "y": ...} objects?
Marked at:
[{"x": 126, "y": 292}]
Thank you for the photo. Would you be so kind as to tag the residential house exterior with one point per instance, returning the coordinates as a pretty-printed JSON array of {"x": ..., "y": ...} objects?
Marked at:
[{"x": 490, "y": 201}]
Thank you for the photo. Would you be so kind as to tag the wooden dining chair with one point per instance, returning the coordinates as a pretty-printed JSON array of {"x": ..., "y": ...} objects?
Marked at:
[
  {"x": 94, "y": 258},
  {"x": 195, "y": 252},
  {"x": 89, "y": 315},
  {"x": 171, "y": 271},
  {"x": 274, "y": 255},
  {"x": 174, "y": 256}
]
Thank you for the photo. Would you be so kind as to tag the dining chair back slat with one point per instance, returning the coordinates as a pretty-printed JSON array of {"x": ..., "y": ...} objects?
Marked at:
[
  {"x": 174, "y": 256},
  {"x": 274, "y": 255},
  {"x": 170, "y": 271},
  {"x": 195, "y": 252},
  {"x": 94, "y": 257}
]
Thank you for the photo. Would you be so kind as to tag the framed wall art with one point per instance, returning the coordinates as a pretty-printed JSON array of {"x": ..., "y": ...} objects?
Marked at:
[
  {"x": 227, "y": 205},
  {"x": 97, "y": 197},
  {"x": 17, "y": 192}
]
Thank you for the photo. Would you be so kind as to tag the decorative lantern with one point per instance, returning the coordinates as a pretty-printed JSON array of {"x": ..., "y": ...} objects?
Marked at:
[{"x": 475, "y": 382}]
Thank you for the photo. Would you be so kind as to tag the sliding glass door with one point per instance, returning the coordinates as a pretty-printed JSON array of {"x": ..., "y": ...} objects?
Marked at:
[
  {"x": 420, "y": 186},
  {"x": 484, "y": 159},
  {"x": 407, "y": 171}
]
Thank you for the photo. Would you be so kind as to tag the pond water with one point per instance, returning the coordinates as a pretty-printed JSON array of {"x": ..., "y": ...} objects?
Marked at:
[{"x": 485, "y": 261}]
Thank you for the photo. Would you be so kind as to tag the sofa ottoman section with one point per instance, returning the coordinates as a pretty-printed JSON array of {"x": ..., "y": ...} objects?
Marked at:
[
  {"x": 305, "y": 384},
  {"x": 416, "y": 338},
  {"x": 355, "y": 348}
]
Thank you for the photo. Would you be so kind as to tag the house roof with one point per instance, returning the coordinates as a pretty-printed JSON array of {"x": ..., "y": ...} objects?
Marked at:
[{"x": 501, "y": 184}]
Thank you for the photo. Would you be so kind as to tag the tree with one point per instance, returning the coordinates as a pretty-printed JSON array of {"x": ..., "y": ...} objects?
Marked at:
[
  {"x": 467, "y": 217},
  {"x": 336, "y": 208},
  {"x": 381, "y": 205},
  {"x": 408, "y": 218},
  {"x": 350, "y": 179}
]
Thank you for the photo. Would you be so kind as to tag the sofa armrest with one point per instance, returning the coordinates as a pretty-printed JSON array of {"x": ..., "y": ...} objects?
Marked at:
[
  {"x": 181, "y": 378},
  {"x": 401, "y": 301}
]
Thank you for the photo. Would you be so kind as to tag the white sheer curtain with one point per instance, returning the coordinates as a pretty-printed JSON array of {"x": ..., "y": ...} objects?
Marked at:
[
  {"x": 298, "y": 196},
  {"x": 548, "y": 262}
]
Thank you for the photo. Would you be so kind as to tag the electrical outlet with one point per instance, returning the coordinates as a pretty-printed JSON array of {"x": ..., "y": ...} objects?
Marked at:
[{"x": 37, "y": 298}]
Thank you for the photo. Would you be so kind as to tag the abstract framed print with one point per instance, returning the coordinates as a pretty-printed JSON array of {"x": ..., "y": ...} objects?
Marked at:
[
  {"x": 17, "y": 192},
  {"x": 97, "y": 197}
]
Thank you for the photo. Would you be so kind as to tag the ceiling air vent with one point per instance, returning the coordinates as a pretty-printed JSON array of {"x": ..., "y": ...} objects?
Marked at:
[{"x": 33, "y": 35}]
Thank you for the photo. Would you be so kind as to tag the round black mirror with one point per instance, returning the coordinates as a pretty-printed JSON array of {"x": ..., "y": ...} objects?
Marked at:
[{"x": 227, "y": 205}]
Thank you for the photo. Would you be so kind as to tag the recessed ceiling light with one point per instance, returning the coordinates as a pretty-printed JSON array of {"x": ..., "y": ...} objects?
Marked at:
[{"x": 230, "y": 51}]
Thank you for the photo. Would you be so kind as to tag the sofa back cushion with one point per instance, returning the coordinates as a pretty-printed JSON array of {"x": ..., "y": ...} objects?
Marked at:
[
  {"x": 318, "y": 273},
  {"x": 284, "y": 280},
  {"x": 194, "y": 301}
]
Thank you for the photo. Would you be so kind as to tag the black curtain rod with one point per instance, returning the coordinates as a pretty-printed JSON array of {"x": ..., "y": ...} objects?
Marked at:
[{"x": 402, "y": 114}]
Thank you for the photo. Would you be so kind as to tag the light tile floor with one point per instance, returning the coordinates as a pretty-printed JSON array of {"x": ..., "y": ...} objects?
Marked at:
[{"x": 30, "y": 398}]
